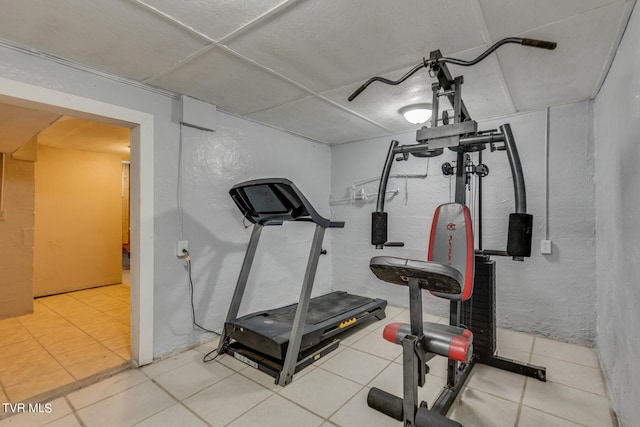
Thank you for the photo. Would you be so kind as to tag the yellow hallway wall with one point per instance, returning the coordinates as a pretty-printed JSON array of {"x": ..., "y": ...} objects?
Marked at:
[{"x": 78, "y": 220}]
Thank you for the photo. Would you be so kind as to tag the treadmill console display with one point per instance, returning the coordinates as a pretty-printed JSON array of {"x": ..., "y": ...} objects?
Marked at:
[{"x": 264, "y": 200}]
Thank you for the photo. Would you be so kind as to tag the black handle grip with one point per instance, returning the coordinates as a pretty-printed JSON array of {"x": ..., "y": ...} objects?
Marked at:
[
  {"x": 357, "y": 92},
  {"x": 539, "y": 44}
]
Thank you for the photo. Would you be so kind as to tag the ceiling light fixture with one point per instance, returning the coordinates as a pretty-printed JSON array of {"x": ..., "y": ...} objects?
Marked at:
[{"x": 416, "y": 113}]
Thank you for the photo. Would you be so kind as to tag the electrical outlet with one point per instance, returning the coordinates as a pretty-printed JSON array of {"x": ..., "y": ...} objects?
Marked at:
[
  {"x": 3, "y": 214},
  {"x": 183, "y": 245},
  {"x": 545, "y": 247}
]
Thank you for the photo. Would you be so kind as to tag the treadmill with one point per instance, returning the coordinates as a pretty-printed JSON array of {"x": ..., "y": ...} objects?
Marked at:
[{"x": 283, "y": 341}]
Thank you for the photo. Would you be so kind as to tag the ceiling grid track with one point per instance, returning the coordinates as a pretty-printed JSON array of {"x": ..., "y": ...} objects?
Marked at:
[
  {"x": 486, "y": 37},
  {"x": 216, "y": 44}
]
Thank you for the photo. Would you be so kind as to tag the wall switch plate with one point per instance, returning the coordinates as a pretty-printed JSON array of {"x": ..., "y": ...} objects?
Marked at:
[
  {"x": 3, "y": 214},
  {"x": 545, "y": 247},
  {"x": 183, "y": 245}
]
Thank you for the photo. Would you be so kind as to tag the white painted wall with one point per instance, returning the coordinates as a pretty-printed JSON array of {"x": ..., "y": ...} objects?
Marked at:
[
  {"x": 617, "y": 157},
  {"x": 552, "y": 295},
  {"x": 212, "y": 162}
]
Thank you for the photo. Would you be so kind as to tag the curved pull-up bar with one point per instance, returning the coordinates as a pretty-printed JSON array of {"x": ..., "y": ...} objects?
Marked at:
[{"x": 429, "y": 63}]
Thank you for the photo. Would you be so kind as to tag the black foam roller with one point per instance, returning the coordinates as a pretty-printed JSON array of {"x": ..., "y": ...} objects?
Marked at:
[
  {"x": 386, "y": 403},
  {"x": 378, "y": 228},
  {"x": 520, "y": 231}
]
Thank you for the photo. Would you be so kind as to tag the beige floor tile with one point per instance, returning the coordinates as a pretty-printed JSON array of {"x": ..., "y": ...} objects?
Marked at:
[
  {"x": 569, "y": 403},
  {"x": 352, "y": 335},
  {"x": 227, "y": 400},
  {"x": 376, "y": 345},
  {"x": 47, "y": 412},
  {"x": 277, "y": 412},
  {"x": 57, "y": 336},
  {"x": 124, "y": 353},
  {"x": 68, "y": 421},
  {"x": 578, "y": 376},
  {"x": 268, "y": 381},
  {"x": 65, "y": 341},
  {"x": 176, "y": 415},
  {"x": 320, "y": 391},
  {"x": 40, "y": 379},
  {"x": 16, "y": 368},
  {"x": 530, "y": 417},
  {"x": 514, "y": 340},
  {"x": 104, "y": 362},
  {"x": 106, "y": 388},
  {"x": 11, "y": 331},
  {"x": 118, "y": 342},
  {"x": 356, "y": 413},
  {"x": 355, "y": 365},
  {"x": 20, "y": 347},
  {"x": 74, "y": 354},
  {"x": 128, "y": 407},
  {"x": 497, "y": 382},
  {"x": 564, "y": 351},
  {"x": 58, "y": 325},
  {"x": 193, "y": 377},
  {"x": 478, "y": 409},
  {"x": 105, "y": 329},
  {"x": 159, "y": 367}
]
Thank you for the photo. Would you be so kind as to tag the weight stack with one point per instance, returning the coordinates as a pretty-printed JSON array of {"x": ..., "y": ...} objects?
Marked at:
[{"x": 479, "y": 311}]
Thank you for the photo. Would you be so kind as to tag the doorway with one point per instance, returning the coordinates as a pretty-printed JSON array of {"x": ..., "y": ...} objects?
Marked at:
[
  {"x": 141, "y": 128},
  {"x": 80, "y": 325}
]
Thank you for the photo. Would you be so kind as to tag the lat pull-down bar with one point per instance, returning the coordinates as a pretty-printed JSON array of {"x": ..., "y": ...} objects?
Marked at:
[{"x": 432, "y": 62}]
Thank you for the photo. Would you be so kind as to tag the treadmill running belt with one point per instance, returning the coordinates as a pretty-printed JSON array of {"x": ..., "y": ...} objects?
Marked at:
[{"x": 322, "y": 308}]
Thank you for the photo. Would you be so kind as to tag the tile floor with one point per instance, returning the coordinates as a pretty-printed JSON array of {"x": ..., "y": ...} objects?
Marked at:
[
  {"x": 68, "y": 338},
  {"x": 184, "y": 391}
]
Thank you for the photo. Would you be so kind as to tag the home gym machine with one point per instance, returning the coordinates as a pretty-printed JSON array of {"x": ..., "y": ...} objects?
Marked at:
[
  {"x": 453, "y": 268},
  {"x": 282, "y": 341}
]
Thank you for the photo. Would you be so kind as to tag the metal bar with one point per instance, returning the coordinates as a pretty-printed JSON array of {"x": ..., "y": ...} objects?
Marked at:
[
  {"x": 409, "y": 379},
  {"x": 533, "y": 371},
  {"x": 289, "y": 366},
  {"x": 415, "y": 307},
  {"x": 464, "y": 141},
  {"x": 382, "y": 188},
  {"x": 241, "y": 284},
  {"x": 516, "y": 169},
  {"x": 448, "y": 395},
  {"x": 461, "y": 179},
  {"x": 454, "y": 129}
]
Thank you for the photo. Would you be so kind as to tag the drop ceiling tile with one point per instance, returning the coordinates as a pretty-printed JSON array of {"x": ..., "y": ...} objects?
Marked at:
[
  {"x": 483, "y": 92},
  {"x": 231, "y": 83},
  {"x": 508, "y": 18},
  {"x": 538, "y": 78},
  {"x": 214, "y": 19},
  {"x": 319, "y": 120},
  {"x": 116, "y": 36},
  {"x": 331, "y": 43}
]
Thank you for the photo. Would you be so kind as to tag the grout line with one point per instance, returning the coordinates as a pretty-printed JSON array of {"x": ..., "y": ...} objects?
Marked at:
[{"x": 74, "y": 412}]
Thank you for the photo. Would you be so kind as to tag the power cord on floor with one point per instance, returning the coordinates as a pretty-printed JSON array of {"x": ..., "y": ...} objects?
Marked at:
[
  {"x": 207, "y": 357},
  {"x": 193, "y": 307}
]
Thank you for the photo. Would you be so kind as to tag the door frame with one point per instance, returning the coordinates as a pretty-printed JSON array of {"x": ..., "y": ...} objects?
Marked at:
[{"x": 142, "y": 192}]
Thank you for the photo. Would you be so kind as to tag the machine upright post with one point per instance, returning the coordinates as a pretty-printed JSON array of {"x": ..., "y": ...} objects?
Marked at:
[
  {"x": 289, "y": 366},
  {"x": 241, "y": 284}
]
